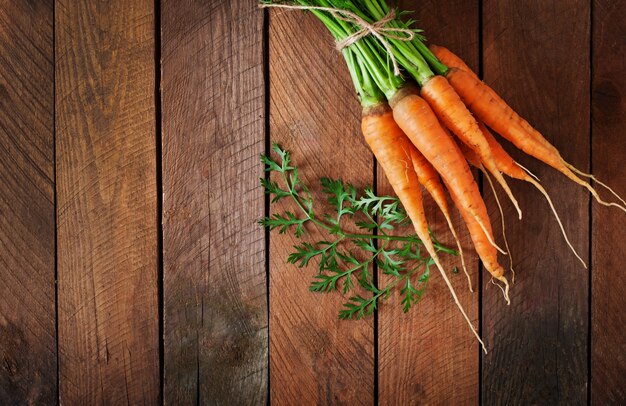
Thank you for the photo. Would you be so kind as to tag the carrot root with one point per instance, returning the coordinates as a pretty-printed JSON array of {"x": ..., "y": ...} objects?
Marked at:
[
  {"x": 488, "y": 235},
  {"x": 506, "y": 243},
  {"x": 458, "y": 244},
  {"x": 508, "y": 192},
  {"x": 594, "y": 192},
  {"x": 456, "y": 300},
  {"x": 590, "y": 176},
  {"x": 528, "y": 171},
  {"x": 429, "y": 178},
  {"x": 505, "y": 290},
  {"x": 558, "y": 219}
]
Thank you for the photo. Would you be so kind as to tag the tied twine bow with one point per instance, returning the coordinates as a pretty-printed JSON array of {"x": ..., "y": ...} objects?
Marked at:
[{"x": 377, "y": 29}]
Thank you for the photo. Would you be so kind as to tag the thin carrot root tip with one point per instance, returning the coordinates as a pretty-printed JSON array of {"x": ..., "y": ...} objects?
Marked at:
[
  {"x": 488, "y": 236},
  {"x": 558, "y": 219},
  {"x": 570, "y": 174},
  {"x": 458, "y": 244},
  {"x": 506, "y": 242},
  {"x": 505, "y": 291},
  {"x": 456, "y": 300},
  {"x": 528, "y": 171},
  {"x": 508, "y": 192},
  {"x": 599, "y": 200},
  {"x": 590, "y": 176},
  {"x": 469, "y": 278}
]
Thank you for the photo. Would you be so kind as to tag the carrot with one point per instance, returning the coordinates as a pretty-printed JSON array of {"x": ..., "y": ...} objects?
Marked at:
[
  {"x": 417, "y": 120},
  {"x": 474, "y": 160},
  {"x": 509, "y": 167},
  {"x": 429, "y": 178},
  {"x": 470, "y": 156},
  {"x": 454, "y": 114},
  {"x": 490, "y": 108},
  {"x": 450, "y": 59},
  {"x": 393, "y": 149},
  {"x": 453, "y": 61},
  {"x": 486, "y": 251}
]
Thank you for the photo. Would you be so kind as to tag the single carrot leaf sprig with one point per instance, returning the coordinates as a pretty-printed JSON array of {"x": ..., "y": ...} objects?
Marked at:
[{"x": 345, "y": 260}]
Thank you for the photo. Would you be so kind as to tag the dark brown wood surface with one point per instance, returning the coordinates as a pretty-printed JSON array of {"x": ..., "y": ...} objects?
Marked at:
[
  {"x": 140, "y": 124},
  {"x": 538, "y": 60},
  {"x": 608, "y": 318},
  {"x": 215, "y": 303},
  {"x": 429, "y": 355},
  {"x": 27, "y": 292},
  {"x": 107, "y": 202},
  {"x": 314, "y": 356}
]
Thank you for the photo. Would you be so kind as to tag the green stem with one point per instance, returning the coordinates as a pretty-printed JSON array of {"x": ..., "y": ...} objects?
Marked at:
[
  {"x": 385, "y": 237},
  {"x": 399, "y": 279},
  {"x": 405, "y": 51},
  {"x": 296, "y": 197},
  {"x": 433, "y": 61},
  {"x": 362, "y": 264},
  {"x": 365, "y": 50}
]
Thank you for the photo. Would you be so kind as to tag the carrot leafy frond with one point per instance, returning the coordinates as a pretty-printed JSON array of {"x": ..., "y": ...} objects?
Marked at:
[{"x": 346, "y": 259}]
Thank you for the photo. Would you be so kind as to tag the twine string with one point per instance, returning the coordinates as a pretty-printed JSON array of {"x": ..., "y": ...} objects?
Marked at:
[{"x": 378, "y": 29}]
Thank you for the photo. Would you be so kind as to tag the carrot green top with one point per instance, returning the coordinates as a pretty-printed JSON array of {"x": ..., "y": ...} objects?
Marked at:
[{"x": 368, "y": 59}]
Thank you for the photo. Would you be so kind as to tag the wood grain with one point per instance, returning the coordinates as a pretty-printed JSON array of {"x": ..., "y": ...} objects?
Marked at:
[
  {"x": 536, "y": 55},
  {"x": 107, "y": 215},
  {"x": 608, "y": 336},
  {"x": 430, "y": 356},
  {"x": 314, "y": 357},
  {"x": 215, "y": 297},
  {"x": 27, "y": 291}
]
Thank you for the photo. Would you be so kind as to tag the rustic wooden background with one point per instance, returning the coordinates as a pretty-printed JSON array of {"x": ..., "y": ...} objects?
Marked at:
[{"x": 131, "y": 267}]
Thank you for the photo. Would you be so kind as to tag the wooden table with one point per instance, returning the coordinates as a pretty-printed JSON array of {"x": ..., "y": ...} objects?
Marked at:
[{"x": 132, "y": 269}]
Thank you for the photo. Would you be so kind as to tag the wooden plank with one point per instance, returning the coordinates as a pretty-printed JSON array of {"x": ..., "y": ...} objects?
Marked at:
[
  {"x": 429, "y": 355},
  {"x": 27, "y": 292},
  {"x": 314, "y": 114},
  {"x": 215, "y": 296},
  {"x": 536, "y": 55},
  {"x": 107, "y": 214},
  {"x": 608, "y": 337}
]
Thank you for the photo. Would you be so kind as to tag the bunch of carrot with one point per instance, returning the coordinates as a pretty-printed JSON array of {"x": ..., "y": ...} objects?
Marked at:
[{"x": 428, "y": 131}]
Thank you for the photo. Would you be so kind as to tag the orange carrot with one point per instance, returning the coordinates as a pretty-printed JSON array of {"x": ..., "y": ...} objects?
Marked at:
[
  {"x": 429, "y": 178},
  {"x": 474, "y": 160},
  {"x": 511, "y": 168},
  {"x": 488, "y": 107},
  {"x": 392, "y": 150},
  {"x": 417, "y": 120},
  {"x": 450, "y": 59},
  {"x": 486, "y": 251},
  {"x": 453, "y": 61},
  {"x": 454, "y": 115}
]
